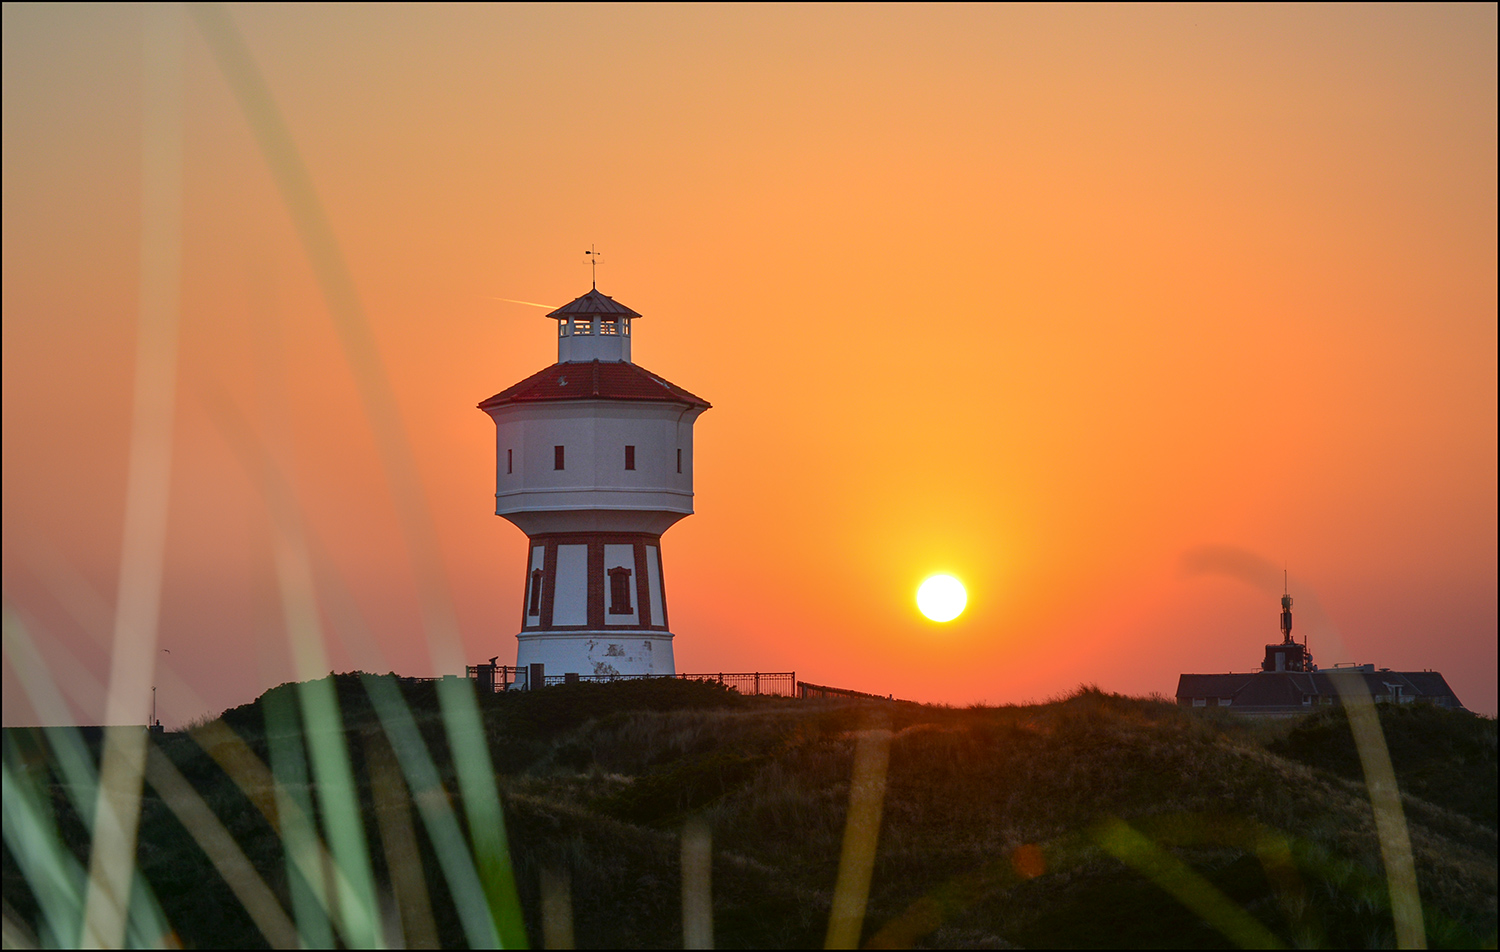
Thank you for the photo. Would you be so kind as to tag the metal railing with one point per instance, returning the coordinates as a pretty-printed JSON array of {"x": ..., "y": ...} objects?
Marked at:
[
  {"x": 760, "y": 683},
  {"x": 501, "y": 677},
  {"x": 807, "y": 691}
]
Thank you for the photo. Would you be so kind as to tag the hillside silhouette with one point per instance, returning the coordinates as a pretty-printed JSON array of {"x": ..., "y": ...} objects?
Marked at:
[{"x": 1077, "y": 823}]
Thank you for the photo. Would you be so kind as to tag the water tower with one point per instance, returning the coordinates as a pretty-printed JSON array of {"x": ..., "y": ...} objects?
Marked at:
[{"x": 594, "y": 461}]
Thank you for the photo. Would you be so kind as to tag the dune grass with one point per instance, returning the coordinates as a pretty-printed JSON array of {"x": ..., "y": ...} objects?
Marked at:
[{"x": 1092, "y": 821}]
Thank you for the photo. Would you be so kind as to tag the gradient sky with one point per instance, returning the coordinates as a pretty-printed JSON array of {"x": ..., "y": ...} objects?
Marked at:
[{"x": 1110, "y": 312}]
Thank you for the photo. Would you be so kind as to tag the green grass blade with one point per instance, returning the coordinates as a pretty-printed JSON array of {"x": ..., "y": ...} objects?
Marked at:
[
  {"x": 338, "y": 800},
  {"x": 1126, "y": 844},
  {"x": 55, "y": 876},
  {"x": 294, "y": 814},
  {"x": 469, "y": 896},
  {"x": 482, "y": 809},
  {"x": 222, "y": 851}
]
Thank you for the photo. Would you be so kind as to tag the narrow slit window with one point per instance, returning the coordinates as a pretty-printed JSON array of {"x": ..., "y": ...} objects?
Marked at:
[
  {"x": 510, "y": 462},
  {"x": 557, "y": 457},
  {"x": 619, "y": 591},
  {"x": 534, "y": 603},
  {"x": 679, "y": 461},
  {"x": 630, "y": 457}
]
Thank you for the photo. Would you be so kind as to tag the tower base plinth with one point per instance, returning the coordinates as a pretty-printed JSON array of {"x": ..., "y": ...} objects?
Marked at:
[{"x": 598, "y": 653}]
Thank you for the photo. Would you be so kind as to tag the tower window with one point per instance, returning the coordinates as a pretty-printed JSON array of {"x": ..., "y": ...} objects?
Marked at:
[
  {"x": 557, "y": 457},
  {"x": 509, "y": 462},
  {"x": 534, "y": 603},
  {"x": 619, "y": 591},
  {"x": 630, "y": 457},
  {"x": 679, "y": 461}
]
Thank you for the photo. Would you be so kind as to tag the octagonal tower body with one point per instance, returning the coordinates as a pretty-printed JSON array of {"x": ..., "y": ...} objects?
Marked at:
[{"x": 594, "y": 461}]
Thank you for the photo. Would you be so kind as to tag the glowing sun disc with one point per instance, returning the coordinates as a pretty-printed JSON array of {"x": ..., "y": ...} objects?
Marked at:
[{"x": 942, "y": 598}]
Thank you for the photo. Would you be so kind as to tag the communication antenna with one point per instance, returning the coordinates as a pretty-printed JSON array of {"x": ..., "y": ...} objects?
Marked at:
[
  {"x": 1286, "y": 609},
  {"x": 593, "y": 266}
]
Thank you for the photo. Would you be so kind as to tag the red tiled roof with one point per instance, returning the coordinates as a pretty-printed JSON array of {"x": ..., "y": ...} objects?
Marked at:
[
  {"x": 594, "y": 380},
  {"x": 593, "y": 303}
]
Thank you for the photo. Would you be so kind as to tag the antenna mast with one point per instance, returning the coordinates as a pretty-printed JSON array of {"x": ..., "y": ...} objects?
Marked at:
[{"x": 1286, "y": 610}]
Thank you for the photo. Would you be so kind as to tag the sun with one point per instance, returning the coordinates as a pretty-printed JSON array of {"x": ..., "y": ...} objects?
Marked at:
[{"x": 942, "y": 598}]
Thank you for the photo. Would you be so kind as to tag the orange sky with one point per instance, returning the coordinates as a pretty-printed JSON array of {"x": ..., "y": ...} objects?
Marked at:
[{"x": 1044, "y": 297}]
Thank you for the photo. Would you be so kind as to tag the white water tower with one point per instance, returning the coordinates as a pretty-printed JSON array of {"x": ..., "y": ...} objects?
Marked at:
[{"x": 594, "y": 461}]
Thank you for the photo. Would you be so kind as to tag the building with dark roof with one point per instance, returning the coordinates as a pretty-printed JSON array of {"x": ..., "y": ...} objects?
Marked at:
[
  {"x": 1299, "y": 692},
  {"x": 1290, "y": 683}
]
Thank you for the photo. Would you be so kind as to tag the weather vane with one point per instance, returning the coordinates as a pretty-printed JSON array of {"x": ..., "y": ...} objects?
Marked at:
[{"x": 593, "y": 266}]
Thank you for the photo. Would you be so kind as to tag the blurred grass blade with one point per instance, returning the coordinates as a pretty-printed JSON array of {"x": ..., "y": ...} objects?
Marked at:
[
  {"x": 851, "y": 890},
  {"x": 281, "y": 794},
  {"x": 15, "y": 934},
  {"x": 402, "y": 857},
  {"x": 352, "y": 903},
  {"x": 147, "y": 486},
  {"x": 697, "y": 885},
  {"x": 1126, "y": 844},
  {"x": 70, "y": 756},
  {"x": 79, "y": 777},
  {"x": 222, "y": 851},
  {"x": 492, "y": 877},
  {"x": 307, "y": 865},
  {"x": 557, "y": 908},
  {"x": 52, "y": 872},
  {"x": 343, "y": 818},
  {"x": 294, "y": 181},
  {"x": 1385, "y": 800},
  {"x": 469, "y": 899},
  {"x": 89, "y": 610},
  {"x": 460, "y": 714},
  {"x": 244, "y": 769},
  {"x": 54, "y": 875},
  {"x": 482, "y": 809}
]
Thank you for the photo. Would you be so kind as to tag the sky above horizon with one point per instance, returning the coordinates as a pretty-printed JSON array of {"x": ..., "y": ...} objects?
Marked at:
[{"x": 1110, "y": 312}]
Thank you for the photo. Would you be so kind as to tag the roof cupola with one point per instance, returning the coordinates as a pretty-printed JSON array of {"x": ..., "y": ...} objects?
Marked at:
[{"x": 593, "y": 327}]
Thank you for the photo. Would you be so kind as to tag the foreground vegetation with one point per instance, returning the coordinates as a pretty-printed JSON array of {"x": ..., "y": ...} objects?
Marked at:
[{"x": 1079, "y": 823}]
